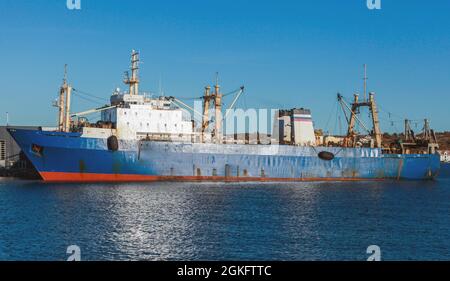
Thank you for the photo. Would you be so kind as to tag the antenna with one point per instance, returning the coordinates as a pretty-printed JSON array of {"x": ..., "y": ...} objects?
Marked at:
[
  {"x": 160, "y": 85},
  {"x": 365, "y": 82},
  {"x": 217, "y": 78},
  {"x": 133, "y": 82},
  {"x": 65, "y": 75}
]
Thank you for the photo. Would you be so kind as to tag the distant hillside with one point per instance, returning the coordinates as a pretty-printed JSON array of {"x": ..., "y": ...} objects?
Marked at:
[
  {"x": 442, "y": 137},
  {"x": 444, "y": 140}
]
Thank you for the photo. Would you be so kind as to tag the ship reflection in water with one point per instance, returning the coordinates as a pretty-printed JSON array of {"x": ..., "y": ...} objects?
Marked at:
[{"x": 212, "y": 221}]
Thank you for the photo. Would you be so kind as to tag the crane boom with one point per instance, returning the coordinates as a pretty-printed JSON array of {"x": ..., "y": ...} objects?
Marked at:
[
  {"x": 241, "y": 91},
  {"x": 87, "y": 112}
]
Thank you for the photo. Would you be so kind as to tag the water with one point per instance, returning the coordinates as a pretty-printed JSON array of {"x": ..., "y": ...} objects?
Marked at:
[{"x": 208, "y": 221}]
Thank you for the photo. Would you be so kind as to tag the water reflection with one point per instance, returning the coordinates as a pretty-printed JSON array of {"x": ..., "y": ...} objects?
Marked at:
[{"x": 210, "y": 221}]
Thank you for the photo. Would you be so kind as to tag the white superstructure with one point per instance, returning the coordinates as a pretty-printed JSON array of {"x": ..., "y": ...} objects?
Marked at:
[{"x": 138, "y": 117}]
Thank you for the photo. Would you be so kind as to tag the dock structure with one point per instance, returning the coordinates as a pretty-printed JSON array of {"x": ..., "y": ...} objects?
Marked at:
[{"x": 13, "y": 161}]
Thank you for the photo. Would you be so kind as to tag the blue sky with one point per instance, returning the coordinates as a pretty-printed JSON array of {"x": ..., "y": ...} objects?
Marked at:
[{"x": 286, "y": 53}]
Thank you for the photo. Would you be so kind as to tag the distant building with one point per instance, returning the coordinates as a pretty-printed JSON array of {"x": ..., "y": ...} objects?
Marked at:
[
  {"x": 2, "y": 151},
  {"x": 9, "y": 150},
  {"x": 333, "y": 140},
  {"x": 445, "y": 156}
]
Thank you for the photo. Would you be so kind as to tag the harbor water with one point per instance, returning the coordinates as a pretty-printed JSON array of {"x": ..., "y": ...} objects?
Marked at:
[{"x": 407, "y": 220}]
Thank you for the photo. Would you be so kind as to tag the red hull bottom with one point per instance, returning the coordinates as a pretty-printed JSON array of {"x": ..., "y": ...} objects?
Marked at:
[{"x": 90, "y": 177}]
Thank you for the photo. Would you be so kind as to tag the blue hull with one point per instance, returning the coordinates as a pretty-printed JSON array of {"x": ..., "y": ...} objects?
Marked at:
[{"x": 71, "y": 157}]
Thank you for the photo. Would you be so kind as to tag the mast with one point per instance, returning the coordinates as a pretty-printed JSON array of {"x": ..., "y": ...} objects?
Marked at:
[
  {"x": 61, "y": 109},
  {"x": 133, "y": 82},
  {"x": 218, "y": 110},
  {"x": 426, "y": 129},
  {"x": 205, "y": 118},
  {"x": 61, "y": 106},
  {"x": 409, "y": 134},
  {"x": 67, "y": 117},
  {"x": 375, "y": 120},
  {"x": 64, "y": 104},
  {"x": 365, "y": 82},
  {"x": 68, "y": 90},
  {"x": 352, "y": 122}
]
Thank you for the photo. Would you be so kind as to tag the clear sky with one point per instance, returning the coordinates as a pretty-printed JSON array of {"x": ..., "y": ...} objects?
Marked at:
[{"x": 287, "y": 53}]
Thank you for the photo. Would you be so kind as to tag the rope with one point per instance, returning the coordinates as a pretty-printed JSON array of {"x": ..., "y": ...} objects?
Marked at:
[
  {"x": 339, "y": 151},
  {"x": 89, "y": 95},
  {"x": 202, "y": 97},
  {"x": 332, "y": 111},
  {"x": 87, "y": 99},
  {"x": 232, "y": 92},
  {"x": 400, "y": 118}
]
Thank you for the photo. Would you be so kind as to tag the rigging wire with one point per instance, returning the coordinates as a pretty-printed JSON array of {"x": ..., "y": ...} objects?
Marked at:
[
  {"x": 332, "y": 112},
  {"x": 88, "y": 99},
  {"x": 335, "y": 124},
  {"x": 232, "y": 92},
  {"x": 89, "y": 95},
  {"x": 400, "y": 118},
  {"x": 201, "y": 97}
]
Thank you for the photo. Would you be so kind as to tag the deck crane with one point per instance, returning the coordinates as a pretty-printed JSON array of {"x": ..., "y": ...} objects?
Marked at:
[
  {"x": 241, "y": 91},
  {"x": 184, "y": 106},
  {"x": 350, "y": 140}
]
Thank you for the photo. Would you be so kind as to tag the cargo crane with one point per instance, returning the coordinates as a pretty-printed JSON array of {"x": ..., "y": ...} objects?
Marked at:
[
  {"x": 418, "y": 143},
  {"x": 351, "y": 137},
  {"x": 209, "y": 99}
]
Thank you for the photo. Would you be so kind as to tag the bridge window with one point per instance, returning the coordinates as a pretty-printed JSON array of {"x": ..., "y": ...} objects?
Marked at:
[{"x": 2, "y": 150}]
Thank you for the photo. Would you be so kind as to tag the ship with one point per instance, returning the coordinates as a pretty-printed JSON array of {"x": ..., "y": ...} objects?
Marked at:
[{"x": 141, "y": 137}]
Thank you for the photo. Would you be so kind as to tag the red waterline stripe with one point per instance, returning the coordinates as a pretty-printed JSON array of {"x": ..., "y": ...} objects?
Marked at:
[{"x": 91, "y": 177}]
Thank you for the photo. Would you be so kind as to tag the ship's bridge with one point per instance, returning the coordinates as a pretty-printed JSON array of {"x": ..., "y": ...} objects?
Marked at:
[
  {"x": 139, "y": 116},
  {"x": 117, "y": 99}
]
